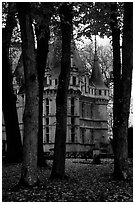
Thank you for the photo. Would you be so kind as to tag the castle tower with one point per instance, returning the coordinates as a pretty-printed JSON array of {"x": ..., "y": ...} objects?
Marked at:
[
  {"x": 100, "y": 105},
  {"x": 87, "y": 103},
  {"x": 50, "y": 88}
]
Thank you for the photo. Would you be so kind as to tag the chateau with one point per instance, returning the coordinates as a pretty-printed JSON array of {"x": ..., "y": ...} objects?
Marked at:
[{"x": 87, "y": 105}]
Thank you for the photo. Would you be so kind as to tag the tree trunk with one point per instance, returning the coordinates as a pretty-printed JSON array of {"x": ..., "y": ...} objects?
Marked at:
[
  {"x": 116, "y": 77},
  {"x": 43, "y": 36},
  {"x": 58, "y": 169},
  {"x": 13, "y": 136},
  {"x": 31, "y": 112},
  {"x": 122, "y": 93}
]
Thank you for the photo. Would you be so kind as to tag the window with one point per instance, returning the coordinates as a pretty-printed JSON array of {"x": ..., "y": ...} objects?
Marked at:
[
  {"x": 47, "y": 121},
  {"x": 56, "y": 82},
  {"x": 91, "y": 110},
  {"x": 47, "y": 134},
  {"x": 47, "y": 102},
  {"x": 82, "y": 109},
  {"x": 72, "y": 129},
  {"x": 83, "y": 135},
  {"x": 47, "y": 106},
  {"x": 72, "y": 121},
  {"x": 72, "y": 106},
  {"x": 72, "y": 134},
  {"x": 72, "y": 137},
  {"x": 99, "y": 92},
  {"x": 85, "y": 85},
  {"x": 92, "y": 136},
  {"x": 50, "y": 82},
  {"x": 88, "y": 110},
  {"x": 74, "y": 80},
  {"x": 45, "y": 81}
]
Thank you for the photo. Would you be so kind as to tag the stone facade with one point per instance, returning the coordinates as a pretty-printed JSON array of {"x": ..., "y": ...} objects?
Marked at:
[{"x": 87, "y": 106}]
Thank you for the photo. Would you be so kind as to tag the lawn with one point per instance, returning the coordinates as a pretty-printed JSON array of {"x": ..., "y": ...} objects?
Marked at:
[{"x": 86, "y": 183}]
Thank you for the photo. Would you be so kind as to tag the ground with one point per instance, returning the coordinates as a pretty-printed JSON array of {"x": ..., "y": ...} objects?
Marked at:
[{"x": 86, "y": 182}]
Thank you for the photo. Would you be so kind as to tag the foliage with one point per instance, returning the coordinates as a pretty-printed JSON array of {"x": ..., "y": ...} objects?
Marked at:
[
  {"x": 104, "y": 52},
  {"x": 95, "y": 18}
]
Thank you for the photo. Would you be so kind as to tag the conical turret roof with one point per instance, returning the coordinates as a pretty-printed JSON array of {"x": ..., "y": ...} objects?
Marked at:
[{"x": 96, "y": 76}]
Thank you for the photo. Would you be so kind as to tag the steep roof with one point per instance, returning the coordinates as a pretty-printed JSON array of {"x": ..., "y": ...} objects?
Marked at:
[
  {"x": 54, "y": 58},
  {"x": 96, "y": 76}
]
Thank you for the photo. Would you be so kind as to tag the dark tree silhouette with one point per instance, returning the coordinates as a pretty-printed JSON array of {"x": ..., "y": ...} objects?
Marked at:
[
  {"x": 31, "y": 112},
  {"x": 13, "y": 136},
  {"x": 43, "y": 35},
  {"x": 122, "y": 88},
  {"x": 58, "y": 169}
]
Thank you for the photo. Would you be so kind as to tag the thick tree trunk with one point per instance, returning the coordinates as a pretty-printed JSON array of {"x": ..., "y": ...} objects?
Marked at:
[
  {"x": 31, "y": 112},
  {"x": 58, "y": 169},
  {"x": 122, "y": 92},
  {"x": 13, "y": 136},
  {"x": 121, "y": 159},
  {"x": 43, "y": 36}
]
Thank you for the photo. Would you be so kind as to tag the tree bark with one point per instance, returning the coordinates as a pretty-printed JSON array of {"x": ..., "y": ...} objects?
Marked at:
[
  {"x": 13, "y": 136},
  {"x": 58, "y": 169},
  {"x": 122, "y": 93},
  {"x": 43, "y": 35},
  {"x": 31, "y": 112}
]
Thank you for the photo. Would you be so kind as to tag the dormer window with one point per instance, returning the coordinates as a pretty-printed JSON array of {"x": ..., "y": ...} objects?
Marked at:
[
  {"x": 56, "y": 82},
  {"x": 106, "y": 92},
  {"x": 99, "y": 92},
  {"x": 50, "y": 82},
  {"x": 74, "y": 81}
]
